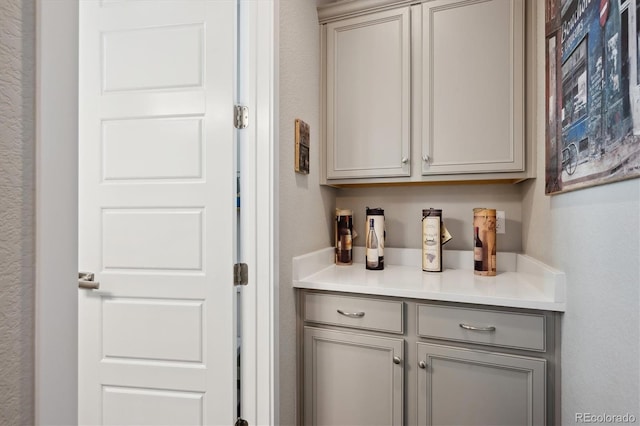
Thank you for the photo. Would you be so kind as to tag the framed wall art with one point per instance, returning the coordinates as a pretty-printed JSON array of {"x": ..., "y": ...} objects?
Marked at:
[
  {"x": 592, "y": 93},
  {"x": 302, "y": 147}
]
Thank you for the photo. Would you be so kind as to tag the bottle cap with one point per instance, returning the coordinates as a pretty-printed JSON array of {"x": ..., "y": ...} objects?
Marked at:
[{"x": 432, "y": 212}]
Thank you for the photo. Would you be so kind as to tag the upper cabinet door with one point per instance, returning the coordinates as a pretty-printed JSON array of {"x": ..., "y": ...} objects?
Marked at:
[
  {"x": 472, "y": 86},
  {"x": 367, "y": 96}
]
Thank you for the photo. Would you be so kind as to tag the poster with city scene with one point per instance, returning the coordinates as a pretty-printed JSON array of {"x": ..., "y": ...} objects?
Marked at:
[{"x": 593, "y": 92}]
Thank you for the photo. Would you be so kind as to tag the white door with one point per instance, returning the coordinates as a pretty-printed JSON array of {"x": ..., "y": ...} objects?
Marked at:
[{"x": 157, "y": 212}]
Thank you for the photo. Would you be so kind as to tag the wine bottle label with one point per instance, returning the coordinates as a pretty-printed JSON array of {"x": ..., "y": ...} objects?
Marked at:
[
  {"x": 477, "y": 254},
  {"x": 372, "y": 258}
]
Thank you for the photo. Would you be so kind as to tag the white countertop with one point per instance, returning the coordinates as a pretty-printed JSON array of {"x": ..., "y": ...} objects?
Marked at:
[{"x": 521, "y": 281}]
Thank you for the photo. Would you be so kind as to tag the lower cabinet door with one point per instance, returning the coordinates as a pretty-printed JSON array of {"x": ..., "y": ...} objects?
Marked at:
[
  {"x": 352, "y": 379},
  {"x": 469, "y": 387}
]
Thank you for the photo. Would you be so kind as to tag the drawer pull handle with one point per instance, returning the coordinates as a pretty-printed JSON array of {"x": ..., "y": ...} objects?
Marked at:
[
  {"x": 471, "y": 327},
  {"x": 351, "y": 314}
]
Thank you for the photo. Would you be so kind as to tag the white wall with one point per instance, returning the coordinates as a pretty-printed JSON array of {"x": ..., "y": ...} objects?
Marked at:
[
  {"x": 593, "y": 235},
  {"x": 17, "y": 147},
  {"x": 305, "y": 207}
]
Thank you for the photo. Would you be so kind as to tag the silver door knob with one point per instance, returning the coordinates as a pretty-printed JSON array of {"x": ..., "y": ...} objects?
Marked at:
[
  {"x": 396, "y": 360},
  {"x": 422, "y": 364},
  {"x": 425, "y": 158},
  {"x": 405, "y": 160},
  {"x": 85, "y": 280}
]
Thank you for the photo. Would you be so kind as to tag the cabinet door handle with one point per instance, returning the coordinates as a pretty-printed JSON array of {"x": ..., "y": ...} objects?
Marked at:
[
  {"x": 474, "y": 328},
  {"x": 351, "y": 314},
  {"x": 405, "y": 160},
  {"x": 422, "y": 365},
  {"x": 396, "y": 360},
  {"x": 425, "y": 158}
]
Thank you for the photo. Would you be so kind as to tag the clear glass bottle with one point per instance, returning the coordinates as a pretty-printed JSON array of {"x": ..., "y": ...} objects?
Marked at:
[{"x": 372, "y": 247}]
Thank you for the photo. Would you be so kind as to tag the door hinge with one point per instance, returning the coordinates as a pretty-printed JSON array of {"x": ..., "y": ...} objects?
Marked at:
[
  {"x": 241, "y": 422},
  {"x": 240, "y": 116},
  {"x": 240, "y": 274}
]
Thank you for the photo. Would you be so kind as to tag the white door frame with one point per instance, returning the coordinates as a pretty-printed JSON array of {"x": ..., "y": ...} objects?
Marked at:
[{"x": 56, "y": 316}]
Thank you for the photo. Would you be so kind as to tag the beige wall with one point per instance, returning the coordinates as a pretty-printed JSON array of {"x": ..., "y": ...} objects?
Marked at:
[
  {"x": 593, "y": 235},
  {"x": 305, "y": 207},
  {"x": 403, "y": 212},
  {"x": 17, "y": 85}
]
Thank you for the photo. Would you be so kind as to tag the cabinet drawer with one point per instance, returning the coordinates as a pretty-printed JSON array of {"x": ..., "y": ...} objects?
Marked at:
[
  {"x": 356, "y": 312},
  {"x": 497, "y": 328}
]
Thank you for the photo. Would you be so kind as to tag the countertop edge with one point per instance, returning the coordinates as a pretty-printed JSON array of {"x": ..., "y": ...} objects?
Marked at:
[
  {"x": 550, "y": 281},
  {"x": 442, "y": 297}
]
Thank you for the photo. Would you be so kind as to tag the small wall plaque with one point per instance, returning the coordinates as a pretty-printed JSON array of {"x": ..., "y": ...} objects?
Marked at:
[{"x": 302, "y": 147}]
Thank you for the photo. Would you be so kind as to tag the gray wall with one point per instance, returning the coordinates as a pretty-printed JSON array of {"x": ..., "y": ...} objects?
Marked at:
[
  {"x": 593, "y": 235},
  {"x": 305, "y": 207},
  {"x": 17, "y": 85},
  {"x": 403, "y": 212}
]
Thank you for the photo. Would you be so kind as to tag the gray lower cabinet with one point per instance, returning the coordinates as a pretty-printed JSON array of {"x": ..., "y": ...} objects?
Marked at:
[
  {"x": 458, "y": 386},
  {"x": 377, "y": 360},
  {"x": 352, "y": 379}
]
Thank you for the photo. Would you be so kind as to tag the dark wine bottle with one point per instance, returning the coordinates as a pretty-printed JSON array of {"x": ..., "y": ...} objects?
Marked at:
[{"x": 478, "y": 252}]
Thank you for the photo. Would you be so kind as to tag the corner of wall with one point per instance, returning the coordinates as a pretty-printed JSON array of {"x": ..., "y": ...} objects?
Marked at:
[
  {"x": 17, "y": 245},
  {"x": 305, "y": 207}
]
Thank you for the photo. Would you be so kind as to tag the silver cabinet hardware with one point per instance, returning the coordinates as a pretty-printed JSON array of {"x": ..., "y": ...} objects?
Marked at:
[
  {"x": 351, "y": 314},
  {"x": 422, "y": 365},
  {"x": 85, "y": 280},
  {"x": 425, "y": 158},
  {"x": 405, "y": 160},
  {"x": 396, "y": 360},
  {"x": 240, "y": 116},
  {"x": 240, "y": 274},
  {"x": 474, "y": 328}
]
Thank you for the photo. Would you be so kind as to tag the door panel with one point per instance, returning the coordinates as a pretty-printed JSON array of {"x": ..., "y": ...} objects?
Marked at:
[
  {"x": 470, "y": 387},
  {"x": 352, "y": 379},
  {"x": 157, "y": 212},
  {"x": 150, "y": 324},
  {"x": 153, "y": 149},
  {"x": 368, "y": 129},
  {"x": 136, "y": 406},
  {"x": 473, "y": 86},
  {"x": 164, "y": 57}
]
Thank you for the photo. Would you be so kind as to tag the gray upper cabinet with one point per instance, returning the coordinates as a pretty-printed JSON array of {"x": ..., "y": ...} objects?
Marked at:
[
  {"x": 472, "y": 86},
  {"x": 426, "y": 91},
  {"x": 367, "y": 95}
]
